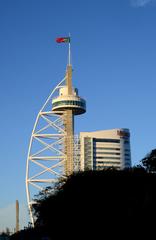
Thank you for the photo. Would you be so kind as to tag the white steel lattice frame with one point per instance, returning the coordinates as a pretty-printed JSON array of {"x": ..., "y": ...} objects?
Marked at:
[
  {"x": 77, "y": 152},
  {"x": 39, "y": 158}
]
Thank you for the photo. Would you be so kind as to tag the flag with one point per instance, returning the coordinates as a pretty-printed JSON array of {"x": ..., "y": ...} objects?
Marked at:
[{"x": 63, "y": 40}]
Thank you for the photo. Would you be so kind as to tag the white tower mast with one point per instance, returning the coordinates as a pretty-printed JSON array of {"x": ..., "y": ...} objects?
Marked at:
[{"x": 51, "y": 148}]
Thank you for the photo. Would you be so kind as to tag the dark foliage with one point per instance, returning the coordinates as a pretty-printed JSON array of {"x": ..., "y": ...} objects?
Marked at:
[
  {"x": 103, "y": 200},
  {"x": 102, "y": 203},
  {"x": 37, "y": 233},
  {"x": 149, "y": 162},
  {"x": 4, "y": 236}
]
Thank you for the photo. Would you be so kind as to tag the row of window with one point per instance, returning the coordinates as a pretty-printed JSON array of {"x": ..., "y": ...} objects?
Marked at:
[
  {"x": 108, "y": 153},
  {"x": 127, "y": 154},
  {"x": 127, "y": 160},
  {"x": 127, "y": 150},
  {"x": 69, "y": 102},
  {"x": 89, "y": 157},
  {"x": 105, "y": 148},
  {"x": 108, "y": 162},
  {"x": 99, "y": 140},
  {"x": 106, "y": 140},
  {"x": 117, "y": 158}
]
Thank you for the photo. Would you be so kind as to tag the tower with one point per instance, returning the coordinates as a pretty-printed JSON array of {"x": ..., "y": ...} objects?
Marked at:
[
  {"x": 71, "y": 104},
  {"x": 51, "y": 149},
  {"x": 17, "y": 216}
]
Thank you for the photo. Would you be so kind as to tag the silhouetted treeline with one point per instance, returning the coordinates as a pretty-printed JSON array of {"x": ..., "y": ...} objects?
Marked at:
[{"x": 107, "y": 202}]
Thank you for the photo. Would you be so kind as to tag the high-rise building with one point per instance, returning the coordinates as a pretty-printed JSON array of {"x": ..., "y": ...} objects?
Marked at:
[{"x": 105, "y": 149}]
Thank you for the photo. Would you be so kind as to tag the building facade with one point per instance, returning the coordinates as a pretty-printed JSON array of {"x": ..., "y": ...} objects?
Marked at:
[{"x": 105, "y": 149}]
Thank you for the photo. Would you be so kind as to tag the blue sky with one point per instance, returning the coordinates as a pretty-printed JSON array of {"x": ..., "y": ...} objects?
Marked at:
[{"x": 113, "y": 56}]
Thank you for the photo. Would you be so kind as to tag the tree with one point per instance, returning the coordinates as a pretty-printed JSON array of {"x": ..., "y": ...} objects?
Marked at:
[
  {"x": 96, "y": 203},
  {"x": 149, "y": 161},
  {"x": 4, "y": 236},
  {"x": 98, "y": 199}
]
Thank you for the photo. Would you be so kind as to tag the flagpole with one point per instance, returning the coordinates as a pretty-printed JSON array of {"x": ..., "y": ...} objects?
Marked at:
[{"x": 69, "y": 56}]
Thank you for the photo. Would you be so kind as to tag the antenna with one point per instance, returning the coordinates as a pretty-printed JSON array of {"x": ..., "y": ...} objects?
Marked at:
[{"x": 69, "y": 51}]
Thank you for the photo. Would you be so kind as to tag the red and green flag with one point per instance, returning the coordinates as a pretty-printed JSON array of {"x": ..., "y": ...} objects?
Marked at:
[{"x": 63, "y": 40}]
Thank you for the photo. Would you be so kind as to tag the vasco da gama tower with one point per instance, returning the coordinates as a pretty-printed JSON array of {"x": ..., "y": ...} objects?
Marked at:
[{"x": 55, "y": 152}]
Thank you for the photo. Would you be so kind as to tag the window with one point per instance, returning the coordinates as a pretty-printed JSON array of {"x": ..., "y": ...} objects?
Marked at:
[
  {"x": 109, "y": 153},
  {"x": 106, "y": 140},
  {"x": 127, "y": 159},
  {"x": 105, "y": 148},
  {"x": 69, "y": 102},
  {"x": 117, "y": 158},
  {"x": 127, "y": 154},
  {"x": 110, "y": 162},
  {"x": 127, "y": 150}
]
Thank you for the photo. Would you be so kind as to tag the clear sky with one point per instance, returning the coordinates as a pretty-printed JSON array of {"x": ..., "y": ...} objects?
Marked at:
[{"x": 114, "y": 62}]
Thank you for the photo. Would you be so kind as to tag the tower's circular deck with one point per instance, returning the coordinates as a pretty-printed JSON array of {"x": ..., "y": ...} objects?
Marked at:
[{"x": 77, "y": 104}]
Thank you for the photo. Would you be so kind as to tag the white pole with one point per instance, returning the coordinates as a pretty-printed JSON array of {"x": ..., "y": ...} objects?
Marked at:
[{"x": 69, "y": 56}]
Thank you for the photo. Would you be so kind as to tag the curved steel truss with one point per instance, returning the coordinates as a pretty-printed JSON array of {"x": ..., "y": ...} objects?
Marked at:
[{"x": 46, "y": 155}]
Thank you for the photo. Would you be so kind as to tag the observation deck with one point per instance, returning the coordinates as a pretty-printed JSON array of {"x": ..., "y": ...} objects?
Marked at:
[{"x": 65, "y": 102}]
